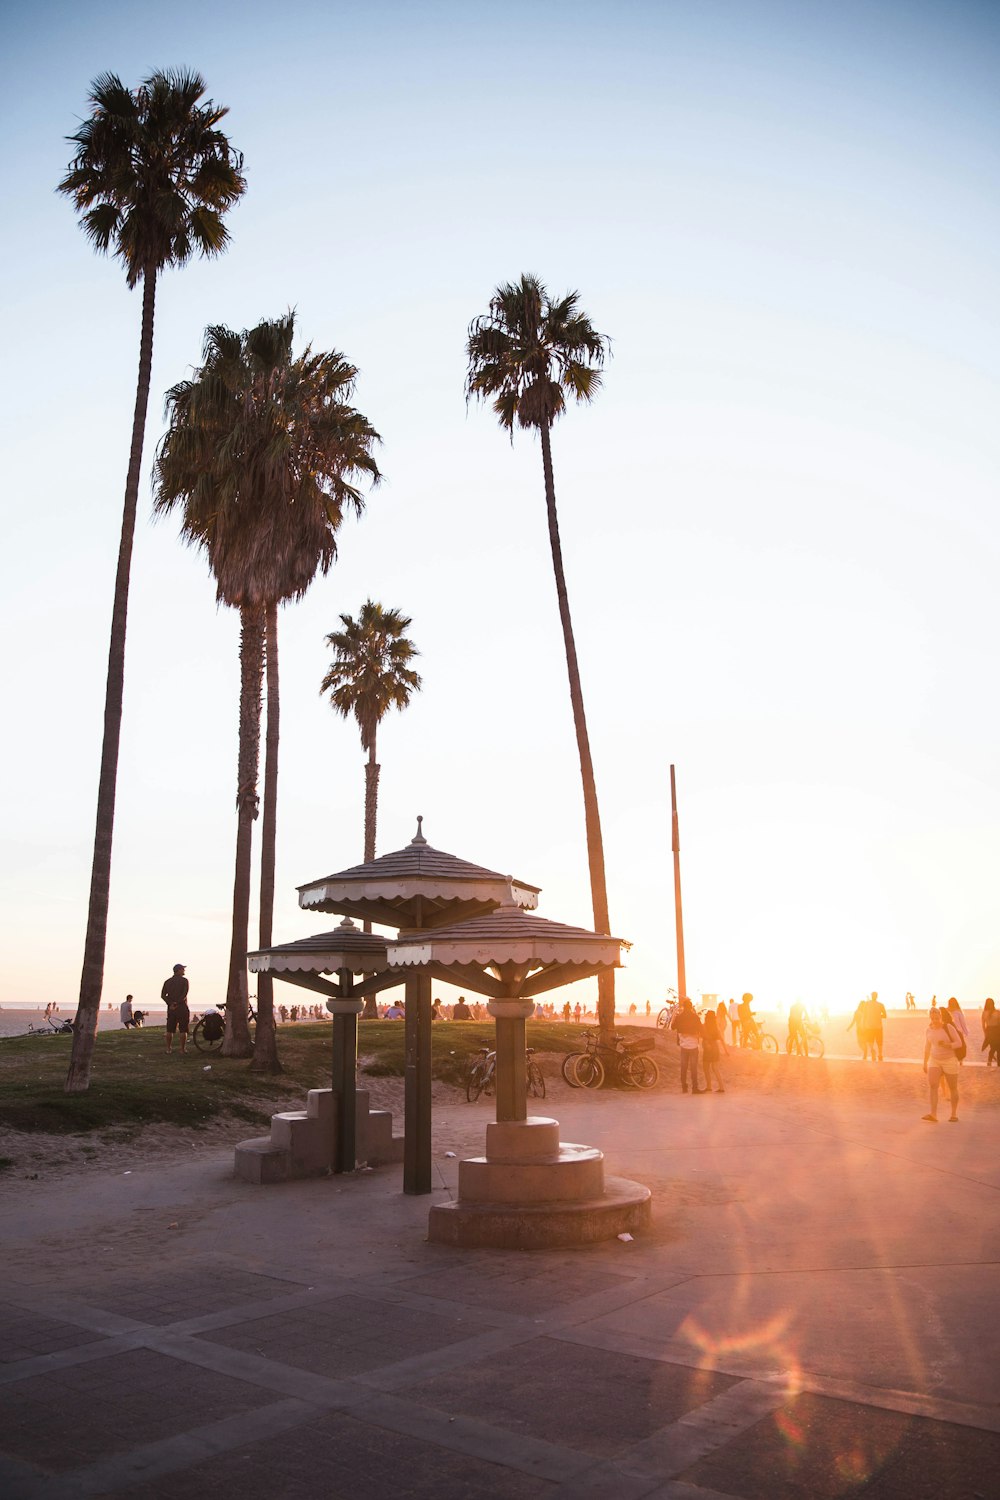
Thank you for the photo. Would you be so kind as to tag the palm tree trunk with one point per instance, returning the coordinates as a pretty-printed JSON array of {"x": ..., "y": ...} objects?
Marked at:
[
  {"x": 95, "y": 942},
  {"x": 237, "y": 1041},
  {"x": 265, "y": 1048},
  {"x": 595, "y": 843},
  {"x": 371, "y": 801},
  {"x": 372, "y": 768}
]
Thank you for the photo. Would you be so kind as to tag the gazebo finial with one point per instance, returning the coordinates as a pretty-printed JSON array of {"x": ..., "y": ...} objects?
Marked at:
[
  {"x": 418, "y": 837},
  {"x": 349, "y": 924}
]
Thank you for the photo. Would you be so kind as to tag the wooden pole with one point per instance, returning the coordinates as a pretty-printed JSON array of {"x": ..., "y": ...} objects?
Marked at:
[
  {"x": 678, "y": 914},
  {"x": 417, "y": 1171}
]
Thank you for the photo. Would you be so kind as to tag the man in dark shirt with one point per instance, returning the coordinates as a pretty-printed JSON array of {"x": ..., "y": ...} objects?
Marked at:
[
  {"x": 175, "y": 993},
  {"x": 461, "y": 1011}
]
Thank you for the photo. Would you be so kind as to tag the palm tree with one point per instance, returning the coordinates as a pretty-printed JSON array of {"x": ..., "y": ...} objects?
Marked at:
[
  {"x": 152, "y": 177},
  {"x": 370, "y": 674},
  {"x": 261, "y": 453},
  {"x": 528, "y": 353}
]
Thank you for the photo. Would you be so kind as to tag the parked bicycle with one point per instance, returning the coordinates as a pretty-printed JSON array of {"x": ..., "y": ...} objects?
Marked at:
[
  {"x": 481, "y": 1077},
  {"x": 210, "y": 1030},
  {"x": 54, "y": 1026},
  {"x": 627, "y": 1063}
]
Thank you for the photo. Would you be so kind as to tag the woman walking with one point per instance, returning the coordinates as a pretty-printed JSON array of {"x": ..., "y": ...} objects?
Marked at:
[
  {"x": 941, "y": 1047},
  {"x": 991, "y": 1033}
]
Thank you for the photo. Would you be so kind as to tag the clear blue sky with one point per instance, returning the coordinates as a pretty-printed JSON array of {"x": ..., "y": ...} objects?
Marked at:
[{"x": 780, "y": 517}]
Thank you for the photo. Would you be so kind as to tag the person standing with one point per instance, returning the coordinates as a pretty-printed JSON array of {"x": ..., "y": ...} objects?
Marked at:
[
  {"x": 734, "y": 1021},
  {"x": 797, "y": 1040},
  {"x": 874, "y": 1016},
  {"x": 941, "y": 1061},
  {"x": 721, "y": 1017},
  {"x": 857, "y": 1025},
  {"x": 125, "y": 1011},
  {"x": 689, "y": 1033},
  {"x": 712, "y": 1043},
  {"x": 175, "y": 993}
]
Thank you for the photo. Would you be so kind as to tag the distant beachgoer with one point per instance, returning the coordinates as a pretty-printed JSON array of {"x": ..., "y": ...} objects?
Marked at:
[
  {"x": 941, "y": 1045},
  {"x": 461, "y": 1011},
  {"x": 734, "y": 1022},
  {"x": 435, "y": 1010},
  {"x": 748, "y": 1025},
  {"x": 911, "y": 1004},
  {"x": 991, "y": 1032},
  {"x": 395, "y": 1012},
  {"x": 797, "y": 1039},
  {"x": 857, "y": 1025},
  {"x": 689, "y": 1033},
  {"x": 649, "y": 1008},
  {"x": 577, "y": 1012},
  {"x": 125, "y": 1011},
  {"x": 874, "y": 1016},
  {"x": 175, "y": 993},
  {"x": 712, "y": 1043},
  {"x": 960, "y": 1024},
  {"x": 721, "y": 1016}
]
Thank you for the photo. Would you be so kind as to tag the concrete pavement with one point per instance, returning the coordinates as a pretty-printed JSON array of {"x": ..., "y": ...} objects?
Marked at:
[{"x": 810, "y": 1314}]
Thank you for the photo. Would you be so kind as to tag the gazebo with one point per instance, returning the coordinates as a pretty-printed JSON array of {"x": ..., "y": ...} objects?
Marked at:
[
  {"x": 530, "y": 1190},
  {"x": 416, "y": 888}
]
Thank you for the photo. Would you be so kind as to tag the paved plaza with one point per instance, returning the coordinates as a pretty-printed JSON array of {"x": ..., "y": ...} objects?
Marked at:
[{"x": 812, "y": 1314}]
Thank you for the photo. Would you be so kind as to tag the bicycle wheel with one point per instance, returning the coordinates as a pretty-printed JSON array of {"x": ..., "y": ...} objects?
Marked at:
[
  {"x": 644, "y": 1071},
  {"x": 474, "y": 1083},
  {"x": 204, "y": 1043},
  {"x": 589, "y": 1071},
  {"x": 768, "y": 1043},
  {"x": 817, "y": 1047},
  {"x": 490, "y": 1079},
  {"x": 536, "y": 1080},
  {"x": 569, "y": 1068},
  {"x": 663, "y": 1018}
]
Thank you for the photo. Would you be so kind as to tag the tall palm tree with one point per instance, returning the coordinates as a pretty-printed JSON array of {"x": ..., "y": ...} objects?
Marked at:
[
  {"x": 261, "y": 453},
  {"x": 370, "y": 674},
  {"x": 527, "y": 354},
  {"x": 152, "y": 176}
]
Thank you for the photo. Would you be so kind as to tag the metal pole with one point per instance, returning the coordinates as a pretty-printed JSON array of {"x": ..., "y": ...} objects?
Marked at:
[
  {"x": 417, "y": 1173},
  {"x": 678, "y": 914}
]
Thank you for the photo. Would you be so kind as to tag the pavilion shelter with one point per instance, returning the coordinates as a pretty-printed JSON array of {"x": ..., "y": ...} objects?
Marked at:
[
  {"x": 530, "y": 1189},
  {"x": 312, "y": 963},
  {"x": 413, "y": 889}
]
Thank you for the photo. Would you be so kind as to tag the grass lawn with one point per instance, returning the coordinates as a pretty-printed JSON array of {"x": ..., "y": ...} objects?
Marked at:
[{"x": 136, "y": 1082}]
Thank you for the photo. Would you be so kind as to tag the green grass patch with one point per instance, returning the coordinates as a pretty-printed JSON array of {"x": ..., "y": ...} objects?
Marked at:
[{"x": 136, "y": 1082}]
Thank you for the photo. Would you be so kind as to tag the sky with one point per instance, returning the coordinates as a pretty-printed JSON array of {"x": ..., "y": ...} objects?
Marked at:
[{"x": 779, "y": 517}]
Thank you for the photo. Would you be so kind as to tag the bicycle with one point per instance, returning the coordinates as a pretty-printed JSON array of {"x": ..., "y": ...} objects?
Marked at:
[
  {"x": 209, "y": 1032},
  {"x": 666, "y": 1015},
  {"x": 481, "y": 1078},
  {"x": 629, "y": 1063},
  {"x": 756, "y": 1040},
  {"x": 814, "y": 1044},
  {"x": 52, "y": 1027}
]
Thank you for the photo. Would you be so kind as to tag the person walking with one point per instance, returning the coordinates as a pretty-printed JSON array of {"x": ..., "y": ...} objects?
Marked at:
[
  {"x": 797, "y": 1039},
  {"x": 175, "y": 993},
  {"x": 961, "y": 1025},
  {"x": 941, "y": 1044},
  {"x": 721, "y": 1016},
  {"x": 689, "y": 1033},
  {"x": 991, "y": 1033},
  {"x": 712, "y": 1043},
  {"x": 734, "y": 1022},
  {"x": 857, "y": 1025}
]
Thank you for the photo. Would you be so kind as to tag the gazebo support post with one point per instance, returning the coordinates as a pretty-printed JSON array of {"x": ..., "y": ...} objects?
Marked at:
[
  {"x": 512, "y": 1092},
  {"x": 345, "y": 1072},
  {"x": 417, "y": 1081}
]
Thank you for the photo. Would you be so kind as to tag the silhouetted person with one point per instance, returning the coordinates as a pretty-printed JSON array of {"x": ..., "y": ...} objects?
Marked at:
[
  {"x": 857, "y": 1025},
  {"x": 461, "y": 1011},
  {"x": 961, "y": 1025},
  {"x": 712, "y": 1043},
  {"x": 175, "y": 993},
  {"x": 748, "y": 1025},
  {"x": 797, "y": 1040},
  {"x": 722, "y": 1016},
  {"x": 874, "y": 1016},
  {"x": 991, "y": 1033}
]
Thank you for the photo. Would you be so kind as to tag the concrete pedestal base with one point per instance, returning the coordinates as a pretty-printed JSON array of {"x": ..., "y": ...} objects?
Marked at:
[{"x": 532, "y": 1192}]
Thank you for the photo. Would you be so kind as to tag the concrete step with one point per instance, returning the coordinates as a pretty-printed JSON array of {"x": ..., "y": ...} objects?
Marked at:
[
  {"x": 260, "y": 1161},
  {"x": 623, "y": 1207},
  {"x": 575, "y": 1174}
]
